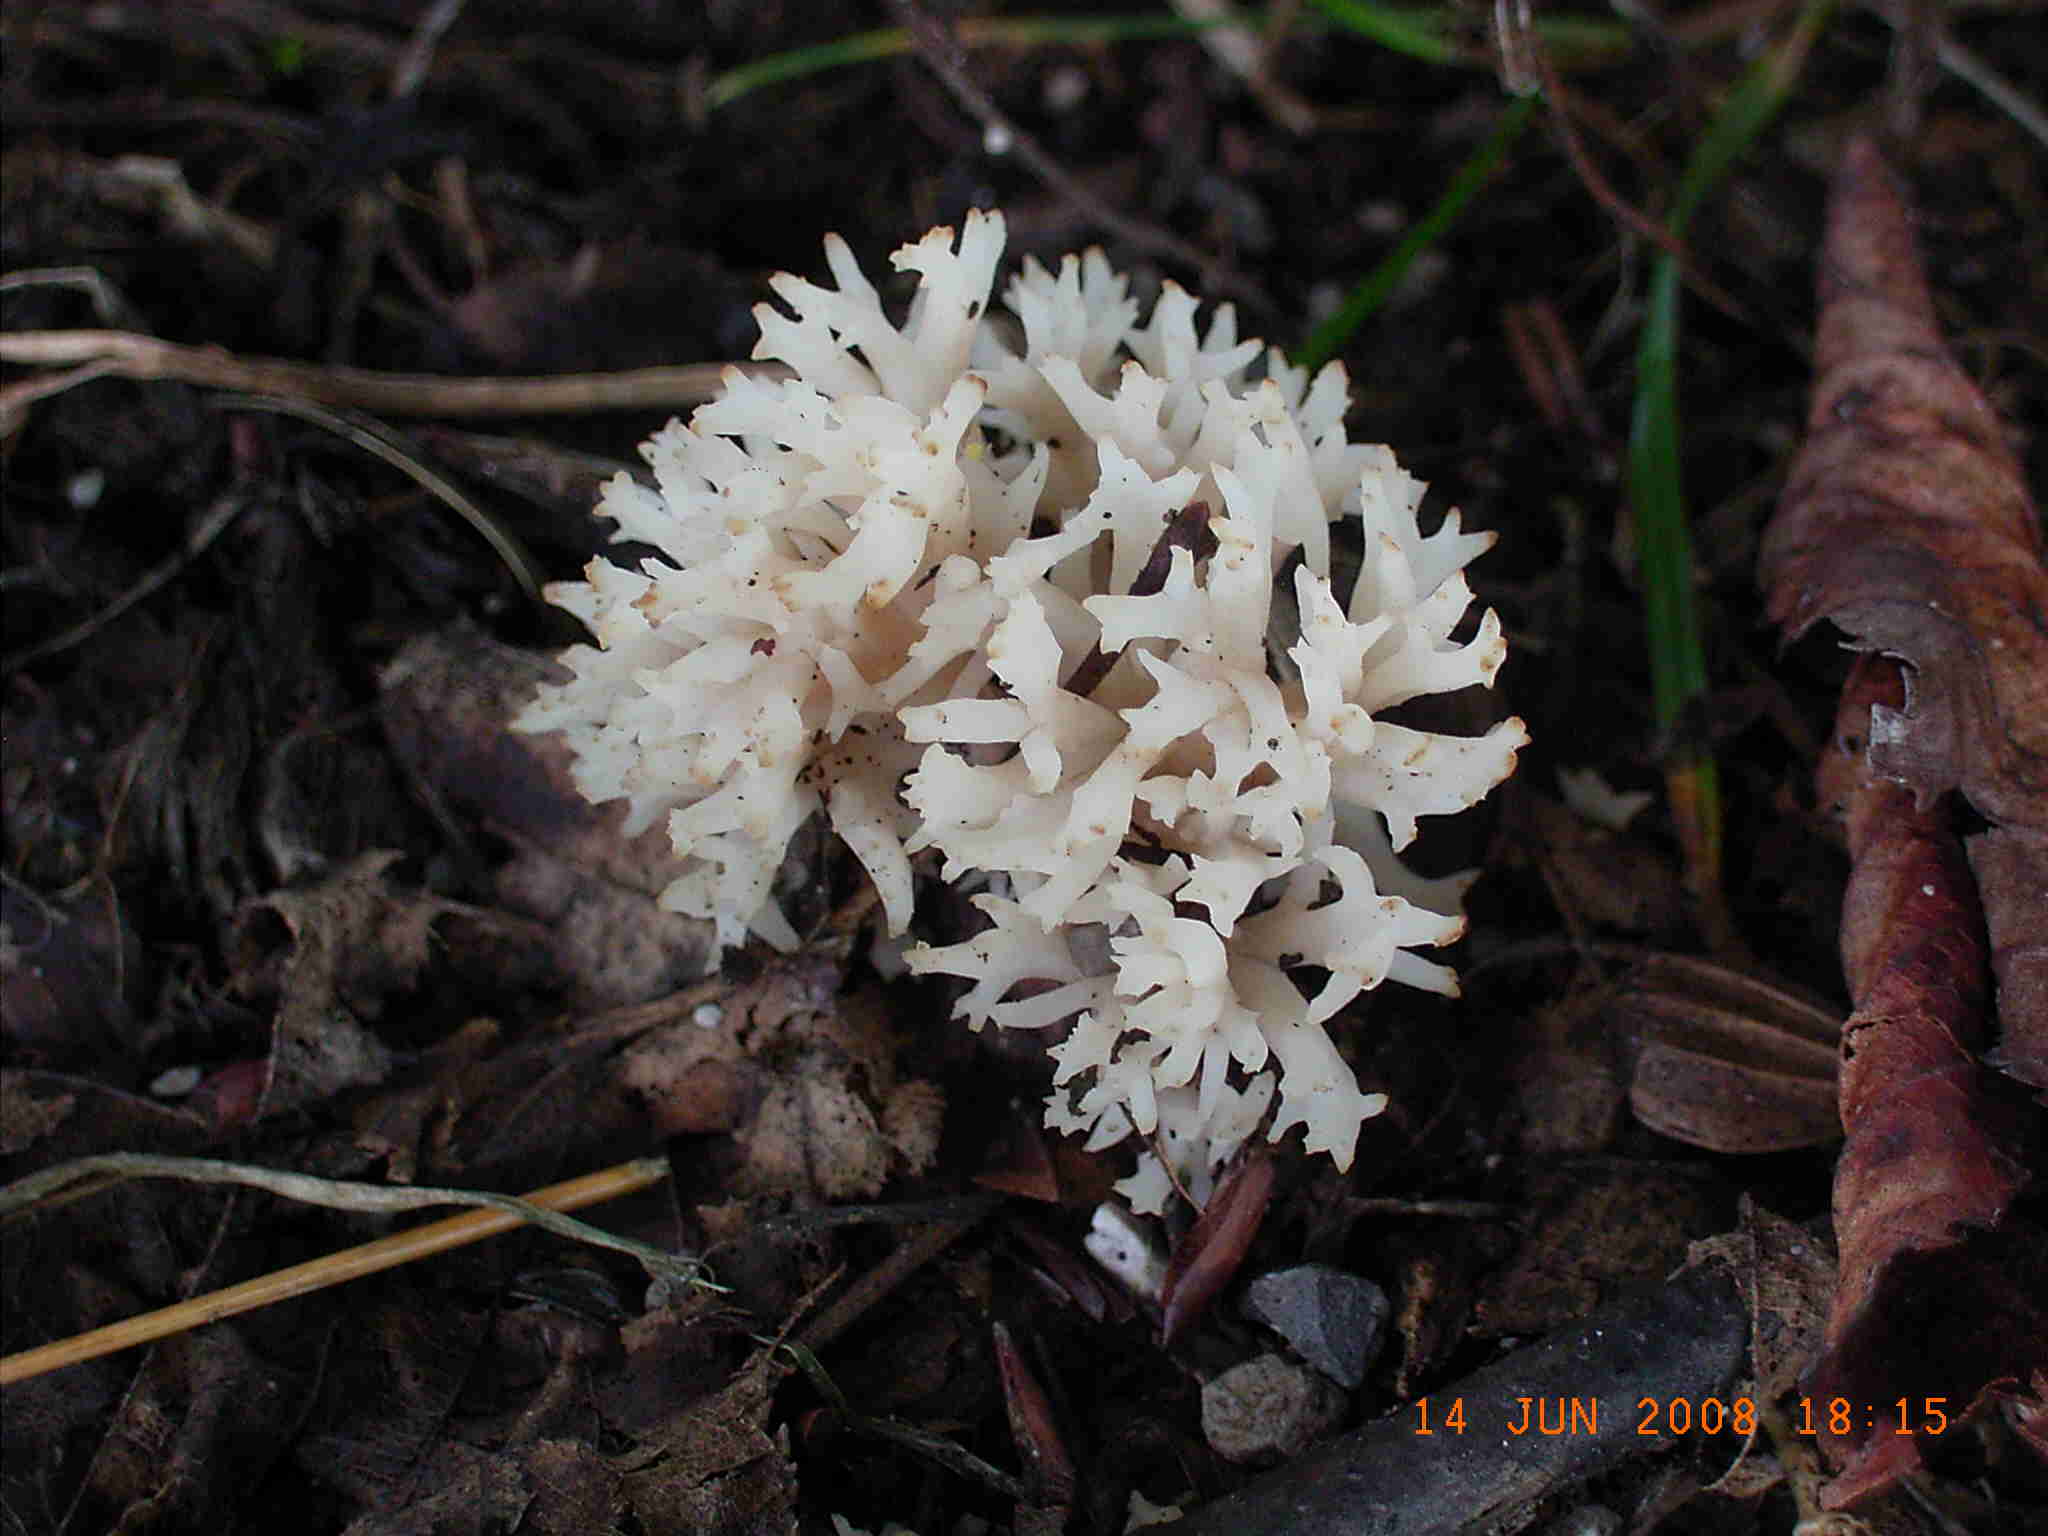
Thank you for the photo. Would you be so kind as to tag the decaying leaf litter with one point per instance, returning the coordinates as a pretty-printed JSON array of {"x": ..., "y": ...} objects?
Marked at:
[
  {"x": 1907, "y": 523},
  {"x": 282, "y": 889}
]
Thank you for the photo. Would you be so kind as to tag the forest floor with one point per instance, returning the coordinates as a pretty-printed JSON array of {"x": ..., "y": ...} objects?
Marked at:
[{"x": 283, "y": 889}]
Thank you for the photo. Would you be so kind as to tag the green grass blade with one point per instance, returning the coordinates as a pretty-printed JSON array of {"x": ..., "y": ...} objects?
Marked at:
[
  {"x": 1432, "y": 33},
  {"x": 1420, "y": 32},
  {"x": 888, "y": 42},
  {"x": 1678, "y": 668},
  {"x": 857, "y": 48},
  {"x": 1678, "y": 664},
  {"x": 1329, "y": 338}
]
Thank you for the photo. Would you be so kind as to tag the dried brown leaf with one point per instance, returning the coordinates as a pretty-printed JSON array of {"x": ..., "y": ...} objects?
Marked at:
[
  {"x": 810, "y": 1083},
  {"x": 65, "y": 967},
  {"x": 1705, "y": 1099},
  {"x": 576, "y": 1491},
  {"x": 410, "y": 1119},
  {"x": 1048, "y": 1469},
  {"x": 392, "y": 1385},
  {"x": 1208, "y": 1254},
  {"x": 712, "y": 1469},
  {"x": 1598, "y": 1226},
  {"x": 1064, "y": 1273},
  {"x": 447, "y": 704},
  {"x": 463, "y": 1490},
  {"x": 1728, "y": 1062},
  {"x": 203, "y": 1406},
  {"x": 347, "y": 941},
  {"x": 26, "y": 1119},
  {"x": 1787, "y": 1274},
  {"x": 1942, "y": 1287},
  {"x": 1907, "y": 523}
]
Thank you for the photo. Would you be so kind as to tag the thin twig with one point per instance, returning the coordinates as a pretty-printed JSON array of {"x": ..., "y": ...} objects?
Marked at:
[
  {"x": 130, "y": 355},
  {"x": 1521, "y": 49},
  {"x": 936, "y": 1448},
  {"x": 501, "y": 1213},
  {"x": 1246, "y": 52},
  {"x": 942, "y": 54},
  {"x": 1967, "y": 67},
  {"x": 202, "y": 534},
  {"x": 393, "y": 450},
  {"x": 904, "y": 1260},
  {"x": 16, "y": 399},
  {"x": 417, "y": 57},
  {"x": 107, "y": 301},
  {"x": 817, "y": 1220}
]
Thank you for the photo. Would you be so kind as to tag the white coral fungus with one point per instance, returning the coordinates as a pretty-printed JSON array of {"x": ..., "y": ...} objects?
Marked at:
[{"x": 1067, "y": 617}]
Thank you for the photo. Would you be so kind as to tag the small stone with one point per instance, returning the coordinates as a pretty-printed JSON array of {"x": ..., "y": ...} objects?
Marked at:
[
  {"x": 176, "y": 1082},
  {"x": 1333, "y": 1319},
  {"x": 1267, "y": 1409}
]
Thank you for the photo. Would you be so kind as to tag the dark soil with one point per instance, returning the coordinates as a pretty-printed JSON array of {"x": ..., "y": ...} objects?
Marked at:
[{"x": 243, "y": 655}]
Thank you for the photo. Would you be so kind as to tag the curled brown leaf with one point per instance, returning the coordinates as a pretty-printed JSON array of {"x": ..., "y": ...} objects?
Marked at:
[
  {"x": 1906, "y": 522},
  {"x": 1207, "y": 1257},
  {"x": 1941, "y": 1291},
  {"x": 1730, "y": 1062}
]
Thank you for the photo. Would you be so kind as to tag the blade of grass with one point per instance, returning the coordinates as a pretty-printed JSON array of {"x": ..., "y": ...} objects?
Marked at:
[
  {"x": 1420, "y": 32},
  {"x": 1678, "y": 665},
  {"x": 1329, "y": 338},
  {"x": 973, "y": 32}
]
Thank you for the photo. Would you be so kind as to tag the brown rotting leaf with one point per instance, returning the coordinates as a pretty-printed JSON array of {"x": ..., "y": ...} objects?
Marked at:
[
  {"x": 1208, "y": 1255},
  {"x": 1048, "y": 1469},
  {"x": 1940, "y": 1297},
  {"x": 1907, "y": 523},
  {"x": 1728, "y": 1062}
]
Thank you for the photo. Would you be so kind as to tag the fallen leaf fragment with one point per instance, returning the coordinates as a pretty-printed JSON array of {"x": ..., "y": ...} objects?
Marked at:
[
  {"x": 1788, "y": 1275},
  {"x": 347, "y": 942},
  {"x": 1207, "y": 1257},
  {"x": 24, "y": 1118},
  {"x": 713, "y": 1466},
  {"x": 1943, "y": 1291},
  {"x": 64, "y": 970},
  {"x": 1048, "y": 1469},
  {"x": 447, "y": 703},
  {"x": 1907, "y": 523},
  {"x": 1729, "y": 1062}
]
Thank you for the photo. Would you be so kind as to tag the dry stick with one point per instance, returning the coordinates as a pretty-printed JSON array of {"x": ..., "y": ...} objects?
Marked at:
[
  {"x": 375, "y": 440},
  {"x": 367, "y": 435},
  {"x": 417, "y": 57},
  {"x": 1415, "y": 1474},
  {"x": 190, "y": 548},
  {"x": 1528, "y": 48},
  {"x": 943, "y": 55},
  {"x": 904, "y": 1260},
  {"x": 349, "y": 1264},
  {"x": 128, "y": 354},
  {"x": 1246, "y": 52},
  {"x": 107, "y": 301}
]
